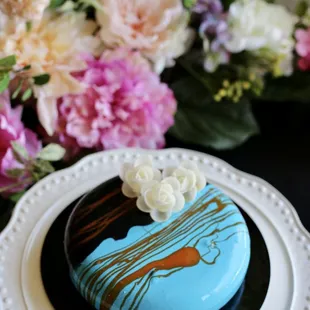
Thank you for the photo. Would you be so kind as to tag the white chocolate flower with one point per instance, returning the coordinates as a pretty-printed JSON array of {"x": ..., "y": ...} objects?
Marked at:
[
  {"x": 138, "y": 174},
  {"x": 161, "y": 199},
  {"x": 190, "y": 178}
]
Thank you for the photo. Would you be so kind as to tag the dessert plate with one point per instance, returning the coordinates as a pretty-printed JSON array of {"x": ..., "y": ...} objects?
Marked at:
[{"x": 21, "y": 243}]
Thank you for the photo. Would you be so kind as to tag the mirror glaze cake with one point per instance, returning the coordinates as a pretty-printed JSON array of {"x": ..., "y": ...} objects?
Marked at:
[{"x": 124, "y": 255}]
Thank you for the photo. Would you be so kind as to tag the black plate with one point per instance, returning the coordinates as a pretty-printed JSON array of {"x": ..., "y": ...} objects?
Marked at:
[{"x": 64, "y": 296}]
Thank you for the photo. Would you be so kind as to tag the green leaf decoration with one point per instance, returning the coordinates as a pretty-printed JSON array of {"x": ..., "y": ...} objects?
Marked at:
[
  {"x": 20, "y": 153},
  {"x": 41, "y": 79},
  {"x": 217, "y": 125},
  {"x": 188, "y": 4},
  {"x": 16, "y": 172},
  {"x": 27, "y": 94},
  {"x": 18, "y": 89},
  {"x": 54, "y": 4},
  {"x": 52, "y": 152},
  {"x": 4, "y": 81},
  {"x": 16, "y": 197}
]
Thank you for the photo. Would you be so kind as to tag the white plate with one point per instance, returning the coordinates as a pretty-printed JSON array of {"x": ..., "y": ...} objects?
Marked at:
[{"x": 21, "y": 242}]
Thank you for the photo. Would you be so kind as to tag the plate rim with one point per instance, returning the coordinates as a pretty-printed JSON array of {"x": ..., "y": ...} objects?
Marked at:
[{"x": 20, "y": 235}]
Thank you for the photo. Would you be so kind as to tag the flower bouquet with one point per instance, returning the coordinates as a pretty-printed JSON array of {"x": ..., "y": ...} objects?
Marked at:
[{"x": 82, "y": 76}]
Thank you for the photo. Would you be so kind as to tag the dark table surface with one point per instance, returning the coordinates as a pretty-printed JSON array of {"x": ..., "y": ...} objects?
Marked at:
[{"x": 280, "y": 155}]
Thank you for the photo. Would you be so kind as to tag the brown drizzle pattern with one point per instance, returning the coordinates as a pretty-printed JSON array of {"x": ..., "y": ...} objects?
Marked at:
[{"x": 116, "y": 270}]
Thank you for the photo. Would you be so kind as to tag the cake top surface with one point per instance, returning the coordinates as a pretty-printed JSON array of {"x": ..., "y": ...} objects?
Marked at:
[{"x": 125, "y": 258}]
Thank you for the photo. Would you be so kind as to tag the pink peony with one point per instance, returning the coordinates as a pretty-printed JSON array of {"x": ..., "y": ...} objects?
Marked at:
[
  {"x": 12, "y": 129},
  {"x": 303, "y": 48},
  {"x": 124, "y": 105}
]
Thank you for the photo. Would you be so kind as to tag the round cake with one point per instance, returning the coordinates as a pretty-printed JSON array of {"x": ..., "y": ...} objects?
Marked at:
[{"x": 121, "y": 258}]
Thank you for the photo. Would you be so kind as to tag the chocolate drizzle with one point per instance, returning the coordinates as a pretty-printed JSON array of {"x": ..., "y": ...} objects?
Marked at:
[{"x": 138, "y": 263}]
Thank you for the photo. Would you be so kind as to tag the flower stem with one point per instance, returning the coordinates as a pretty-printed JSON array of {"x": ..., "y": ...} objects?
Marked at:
[{"x": 12, "y": 186}]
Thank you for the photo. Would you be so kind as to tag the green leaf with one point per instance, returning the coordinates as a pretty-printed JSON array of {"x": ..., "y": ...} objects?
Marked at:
[
  {"x": 16, "y": 197},
  {"x": 52, "y": 152},
  {"x": 216, "y": 125},
  {"x": 28, "y": 26},
  {"x": 27, "y": 67},
  {"x": 27, "y": 94},
  {"x": 41, "y": 79},
  {"x": 20, "y": 153},
  {"x": 301, "y": 8},
  {"x": 54, "y": 4},
  {"x": 188, "y": 4},
  {"x": 42, "y": 167},
  {"x": 15, "y": 172},
  {"x": 8, "y": 62},
  {"x": 4, "y": 81},
  {"x": 18, "y": 89}
]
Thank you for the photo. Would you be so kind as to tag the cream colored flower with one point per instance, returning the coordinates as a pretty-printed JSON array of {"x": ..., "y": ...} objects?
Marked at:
[
  {"x": 261, "y": 27},
  {"x": 137, "y": 175},
  {"x": 52, "y": 46},
  {"x": 190, "y": 178},
  {"x": 161, "y": 199},
  {"x": 24, "y": 10},
  {"x": 158, "y": 29}
]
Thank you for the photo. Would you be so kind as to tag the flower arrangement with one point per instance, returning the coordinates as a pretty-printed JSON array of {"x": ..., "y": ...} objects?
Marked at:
[{"x": 87, "y": 75}]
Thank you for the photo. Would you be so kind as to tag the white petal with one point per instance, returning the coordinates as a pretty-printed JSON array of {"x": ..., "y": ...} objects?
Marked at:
[
  {"x": 148, "y": 198},
  {"x": 190, "y": 195},
  {"x": 142, "y": 205},
  {"x": 174, "y": 182},
  {"x": 159, "y": 216},
  {"x": 148, "y": 185},
  {"x": 127, "y": 191},
  {"x": 48, "y": 113},
  {"x": 200, "y": 181},
  {"x": 180, "y": 202},
  {"x": 144, "y": 160},
  {"x": 189, "y": 165},
  {"x": 157, "y": 175},
  {"x": 124, "y": 168},
  {"x": 167, "y": 172}
]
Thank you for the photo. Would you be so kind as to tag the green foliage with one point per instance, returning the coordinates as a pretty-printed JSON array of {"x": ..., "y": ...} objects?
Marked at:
[
  {"x": 4, "y": 81},
  {"x": 41, "y": 79},
  {"x": 27, "y": 94},
  {"x": 8, "y": 62},
  {"x": 20, "y": 153},
  {"x": 56, "y": 3},
  {"x": 188, "y": 4},
  {"x": 52, "y": 152},
  {"x": 301, "y": 8},
  {"x": 201, "y": 121}
]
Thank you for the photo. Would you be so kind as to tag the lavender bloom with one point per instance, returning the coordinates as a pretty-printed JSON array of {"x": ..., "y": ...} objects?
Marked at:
[{"x": 214, "y": 32}]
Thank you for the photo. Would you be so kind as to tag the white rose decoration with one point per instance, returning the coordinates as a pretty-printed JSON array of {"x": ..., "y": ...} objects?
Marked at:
[
  {"x": 161, "y": 199},
  {"x": 136, "y": 175},
  {"x": 190, "y": 178}
]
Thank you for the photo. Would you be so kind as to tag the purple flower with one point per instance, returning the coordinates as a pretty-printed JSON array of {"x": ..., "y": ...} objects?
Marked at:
[
  {"x": 214, "y": 32},
  {"x": 13, "y": 130}
]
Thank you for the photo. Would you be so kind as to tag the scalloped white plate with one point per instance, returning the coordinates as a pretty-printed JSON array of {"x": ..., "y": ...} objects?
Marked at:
[{"x": 21, "y": 242}]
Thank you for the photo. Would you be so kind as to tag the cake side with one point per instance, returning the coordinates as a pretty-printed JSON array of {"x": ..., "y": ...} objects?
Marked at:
[{"x": 197, "y": 259}]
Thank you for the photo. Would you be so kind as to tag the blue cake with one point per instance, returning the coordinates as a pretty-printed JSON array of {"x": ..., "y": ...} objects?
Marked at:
[{"x": 120, "y": 258}]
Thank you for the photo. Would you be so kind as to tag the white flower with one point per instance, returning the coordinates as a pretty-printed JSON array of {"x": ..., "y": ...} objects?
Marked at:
[
  {"x": 190, "y": 178},
  {"x": 258, "y": 26},
  {"x": 161, "y": 199},
  {"x": 138, "y": 174}
]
